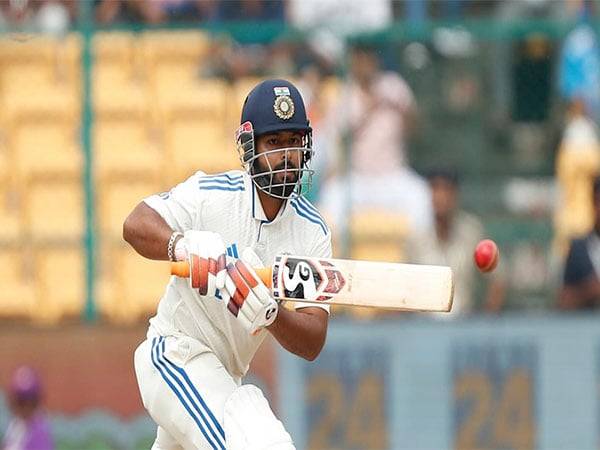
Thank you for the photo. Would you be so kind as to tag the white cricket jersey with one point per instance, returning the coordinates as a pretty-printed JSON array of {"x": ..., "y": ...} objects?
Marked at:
[{"x": 228, "y": 204}]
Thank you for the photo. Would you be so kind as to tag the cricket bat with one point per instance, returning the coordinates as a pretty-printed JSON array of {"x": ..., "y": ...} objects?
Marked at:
[{"x": 395, "y": 286}]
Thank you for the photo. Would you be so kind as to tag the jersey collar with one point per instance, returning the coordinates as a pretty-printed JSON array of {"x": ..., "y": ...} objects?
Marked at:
[{"x": 255, "y": 205}]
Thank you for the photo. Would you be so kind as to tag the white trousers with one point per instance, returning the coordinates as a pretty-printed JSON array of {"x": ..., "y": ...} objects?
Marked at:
[{"x": 184, "y": 389}]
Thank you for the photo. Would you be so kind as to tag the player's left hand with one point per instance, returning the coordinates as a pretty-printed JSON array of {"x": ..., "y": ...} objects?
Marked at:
[{"x": 246, "y": 296}]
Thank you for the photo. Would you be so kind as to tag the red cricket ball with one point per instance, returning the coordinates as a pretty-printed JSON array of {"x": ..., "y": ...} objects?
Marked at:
[{"x": 486, "y": 255}]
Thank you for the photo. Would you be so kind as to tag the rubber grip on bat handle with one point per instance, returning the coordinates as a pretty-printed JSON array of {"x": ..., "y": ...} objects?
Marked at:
[{"x": 182, "y": 269}]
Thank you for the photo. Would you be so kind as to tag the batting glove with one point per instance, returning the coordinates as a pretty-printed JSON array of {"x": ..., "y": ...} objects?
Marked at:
[
  {"x": 247, "y": 297},
  {"x": 205, "y": 252}
]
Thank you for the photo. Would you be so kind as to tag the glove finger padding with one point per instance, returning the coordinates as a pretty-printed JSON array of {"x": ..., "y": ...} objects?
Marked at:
[
  {"x": 206, "y": 257},
  {"x": 251, "y": 300}
]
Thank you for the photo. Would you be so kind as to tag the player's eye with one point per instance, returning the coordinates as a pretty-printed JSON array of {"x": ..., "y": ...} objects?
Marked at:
[
  {"x": 272, "y": 141},
  {"x": 295, "y": 142}
]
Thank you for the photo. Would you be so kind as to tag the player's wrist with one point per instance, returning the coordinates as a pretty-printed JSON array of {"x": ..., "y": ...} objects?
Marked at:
[
  {"x": 180, "y": 251},
  {"x": 172, "y": 245}
]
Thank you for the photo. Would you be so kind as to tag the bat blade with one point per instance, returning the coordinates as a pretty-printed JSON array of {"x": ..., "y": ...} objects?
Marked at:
[
  {"x": 406, "y": 287},
  {"x": 403, "y": 287}
]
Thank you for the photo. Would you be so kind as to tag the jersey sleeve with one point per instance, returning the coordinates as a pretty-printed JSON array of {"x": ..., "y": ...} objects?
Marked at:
[
  {"x": 180, "y": 206},
  {"x": 321, "y": 249}
]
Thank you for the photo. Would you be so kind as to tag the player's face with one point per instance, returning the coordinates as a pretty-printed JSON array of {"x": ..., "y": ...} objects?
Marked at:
[
  {"x": 288, "y": 161},
  {"x": 443, "y": 197}
]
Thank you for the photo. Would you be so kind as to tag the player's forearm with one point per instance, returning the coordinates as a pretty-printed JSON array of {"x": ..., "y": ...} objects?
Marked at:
[
  {"x": 301, "y": 332},
  {"x": 147, "y": 232}
]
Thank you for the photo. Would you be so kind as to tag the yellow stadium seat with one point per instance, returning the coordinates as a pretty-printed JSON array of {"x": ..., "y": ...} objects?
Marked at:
[
  {"x": 46, "y": 150},
  {"x": 54, "y": 211},
  {"x": 10, "y": 218},
  {"x": 242, "y": 88},
  {"x": 32, "y": 98},
  {"x": 199, "y": 99},
  {"x": 114, "y": 48},
  {"x": 60, "y": 283},
  {"x": 122, "y": 149},
  {"x": 378, "y": 235},
  {"x": 117, "y": 200},
  {"x": 194, "y": 146},
  {"x": 191, "y": 45},
  {"x": 117, "y": 94},
  {"x": 132, "y": 286},
  {"x": 31, "y": 48},
  {"x": 69, "y": 58},
  {"x": 17, "y": 294}
]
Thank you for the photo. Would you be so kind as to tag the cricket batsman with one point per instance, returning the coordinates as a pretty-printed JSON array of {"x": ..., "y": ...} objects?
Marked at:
[{"x": 208, "y": 327}]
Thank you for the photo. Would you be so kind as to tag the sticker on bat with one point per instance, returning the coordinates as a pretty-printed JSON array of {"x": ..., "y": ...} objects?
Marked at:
[
  {"x": 304, "y": 278},
  {"x": 300, "y": 279}
]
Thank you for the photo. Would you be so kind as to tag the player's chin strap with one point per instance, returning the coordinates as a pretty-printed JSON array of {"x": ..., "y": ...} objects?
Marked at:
[{"x": 250, "y": 423}]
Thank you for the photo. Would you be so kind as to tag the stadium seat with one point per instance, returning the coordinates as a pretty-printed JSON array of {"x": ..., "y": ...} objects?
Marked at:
[
  {"x": 116, "y": 94},
  {"x": 60, "y": 283},
  {"x": 54, "y": 212},
  {"x": 31, "y": 49},
  {"x": 198, "y": 99},
  {"x": 132, "y": 286},
  {"x": 10, "y": 218},
  {"x": 193, "y": 146},
  {"x": 17, "y": 294},
  {"x": 46, "y": 150},
  {"x": 378, "y": 235},
  {"x": 114, "y": 48},
  {"x": 123, "y": 149},
  {"x": 30, "y": 92},
  {"x": 117, "y": 199},
  {"x": 160, "y": 46}
]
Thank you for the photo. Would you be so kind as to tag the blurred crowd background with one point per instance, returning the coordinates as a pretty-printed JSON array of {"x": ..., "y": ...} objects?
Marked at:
[{"x": 436, "y": 123}]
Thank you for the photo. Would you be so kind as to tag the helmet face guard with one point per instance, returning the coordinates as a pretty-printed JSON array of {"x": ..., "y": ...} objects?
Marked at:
[{"x": 282, "y": 181}]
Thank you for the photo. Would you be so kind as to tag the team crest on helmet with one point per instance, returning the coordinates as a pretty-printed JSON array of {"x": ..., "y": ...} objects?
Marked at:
[{"x": 284, "y": 107}]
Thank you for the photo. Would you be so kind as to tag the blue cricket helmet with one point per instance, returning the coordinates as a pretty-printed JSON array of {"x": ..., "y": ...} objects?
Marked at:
[{"x": 275, "y": 105}]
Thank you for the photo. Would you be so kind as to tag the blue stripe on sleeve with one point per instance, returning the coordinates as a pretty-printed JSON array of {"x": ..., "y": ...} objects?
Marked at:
[
  {"x": 239, "y": 181},
  {"x": 221, "y": 188},
  {"x": 303, "y": 213}
]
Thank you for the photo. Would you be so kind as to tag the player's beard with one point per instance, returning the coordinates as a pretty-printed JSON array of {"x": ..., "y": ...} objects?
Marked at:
[{"x": 263, "y": 178}]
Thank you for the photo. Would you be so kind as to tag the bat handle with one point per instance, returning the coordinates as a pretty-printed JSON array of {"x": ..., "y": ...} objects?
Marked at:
[{"x": 182, "y": 269}]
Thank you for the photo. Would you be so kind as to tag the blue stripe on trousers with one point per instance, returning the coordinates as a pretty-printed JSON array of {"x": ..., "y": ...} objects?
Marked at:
[{"x": 186, "y": 399}]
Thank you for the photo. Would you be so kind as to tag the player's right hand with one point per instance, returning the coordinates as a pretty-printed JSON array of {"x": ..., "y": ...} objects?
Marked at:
[{"x": 206, "y": 256}]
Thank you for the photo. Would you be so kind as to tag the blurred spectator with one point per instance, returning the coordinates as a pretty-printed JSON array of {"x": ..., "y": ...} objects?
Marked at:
[
  {"x": 319, "y": 100},
  {"x": 452, "y": 243},
  {"x": 44, "y": 16},
  {"x": 375, "y": 113},
  {"x": 581, "y": 277},
  {"x": 522, "y": 74},
  {"x": 577, "y": 164},
  {"x": 230, "y": 60},
  {"x": 251, "y": 10},
  {"x": 329, "y": 22},
  {"x": 579, "y": 69},
  {"x": 29, "y": 429},
  {"x": 155, "y": 11}
]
